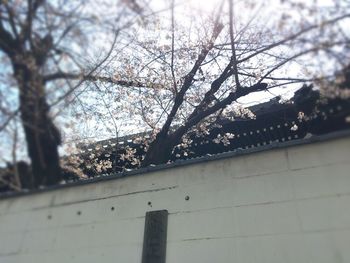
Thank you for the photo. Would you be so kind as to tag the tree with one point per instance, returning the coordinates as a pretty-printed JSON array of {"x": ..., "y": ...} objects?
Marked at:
[
  {"x": 196, "y": 66},
  {"x": 37, "y": 39},
  {"x": 239, "y": 58}
]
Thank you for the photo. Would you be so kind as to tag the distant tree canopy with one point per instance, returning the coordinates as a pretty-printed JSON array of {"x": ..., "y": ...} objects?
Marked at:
[{"x": 85, "y": 68}]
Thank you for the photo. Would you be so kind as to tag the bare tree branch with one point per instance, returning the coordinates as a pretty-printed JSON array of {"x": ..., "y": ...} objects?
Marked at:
[
  {"x": 277, "y": 66},
  {"x": 232, "y": 38},
  {"x": 172, "y": 46},
  {"x": 98, "y": 65},
  {"x": 293, "y": 36},
  {"x": 94, "y": 78},
  {"x": 189, "y": 77},
  {"x": 10, "y": 118}
]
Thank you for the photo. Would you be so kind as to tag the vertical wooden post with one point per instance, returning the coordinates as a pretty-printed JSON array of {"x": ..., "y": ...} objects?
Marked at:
[{"x": 155, "y": 236}]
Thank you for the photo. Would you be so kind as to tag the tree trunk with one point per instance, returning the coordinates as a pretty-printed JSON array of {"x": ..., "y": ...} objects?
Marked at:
[
  {"x": 42, "y": 137},
  {"x": 160, "y": 149}
]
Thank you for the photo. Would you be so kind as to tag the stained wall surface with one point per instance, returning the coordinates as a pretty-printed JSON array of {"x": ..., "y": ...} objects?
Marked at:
[{"x": 283, "y": 205}]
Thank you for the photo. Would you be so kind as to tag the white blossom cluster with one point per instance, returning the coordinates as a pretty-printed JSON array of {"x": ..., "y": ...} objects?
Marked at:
[{"x": 224, "y": 139}]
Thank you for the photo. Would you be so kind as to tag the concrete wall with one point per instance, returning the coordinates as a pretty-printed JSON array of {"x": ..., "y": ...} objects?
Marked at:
[{"x": 282, "y": 205}]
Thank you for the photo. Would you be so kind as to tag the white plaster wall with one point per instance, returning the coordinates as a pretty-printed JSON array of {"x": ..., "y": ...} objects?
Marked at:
[{"x": 283, "y": 205}]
